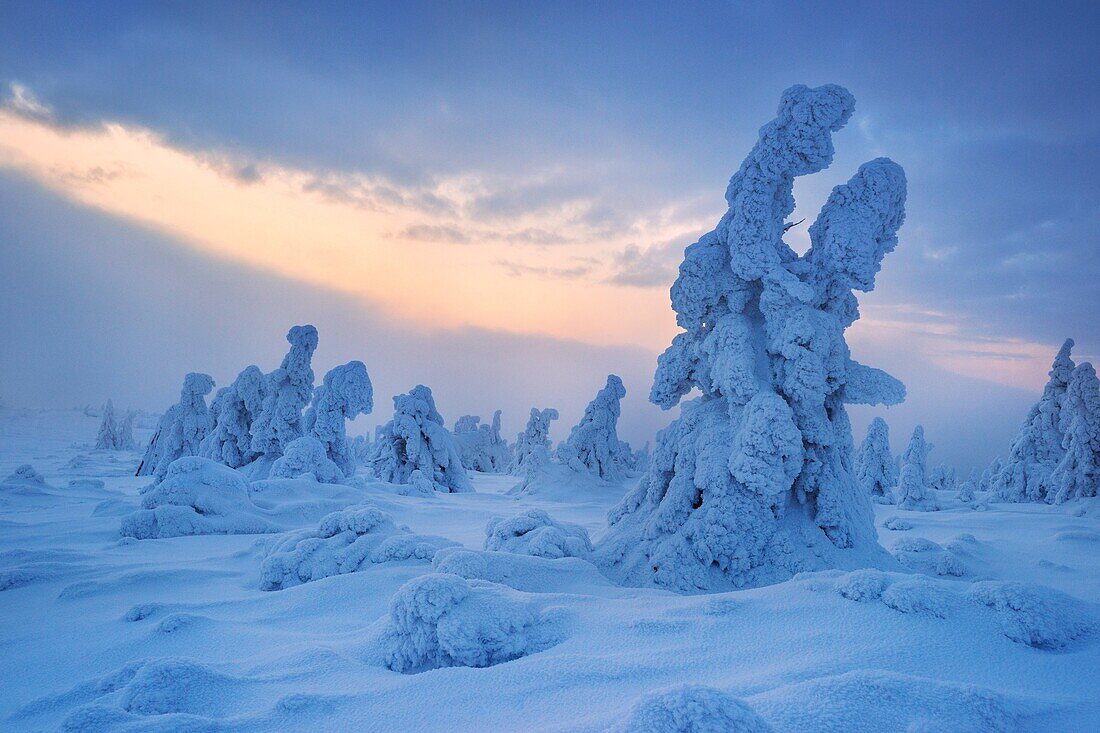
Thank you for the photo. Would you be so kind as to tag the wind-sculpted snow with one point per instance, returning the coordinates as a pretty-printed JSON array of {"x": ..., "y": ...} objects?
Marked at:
[
  {"x": 288, "y": 390},
  {"x": 346, "y": 393},
  {"x": 307, "y": 457},
  {"x": 415, "y": 449},
  {"x": 1077, "y": 474},
  {"x": 754, "y": 481},
  {"x": 535, "y": 533},
  {"x": 876, "y": 471},
  {"x": 480, "y": 446},
  {"x": 343, "y": 542},
  {"x": 1034, "y": 615},
  {"x": 913, "y": 490},
  {"x": 532, "y": 448},
  {"x": 234, "y": 409},
  {"x": 692, "y": 709},
  {"x": 442, "y": 620},
  {"x": 593, "y": 444},
  {"x": 182, "y": 428}
]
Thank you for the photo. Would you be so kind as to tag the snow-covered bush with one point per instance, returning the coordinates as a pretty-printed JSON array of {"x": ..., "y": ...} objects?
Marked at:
[
  {"x": 692, "y": 709},
  {"x": 287, "y": 392},
  {"x": 196, "y": 496},
  {"x": 593, "y": 445},
  {"x": 913, "y": 491},
  {"x": 532, "y": 448},
  {"x": 863, "y": 586},
  {"x": 107, "y": 438},
  {"x": 415, "y": 449},
  {"x": 1037, "y": 448},
  {"x": 876, "y": 470},
  {"x": 1077, "y": 474},
  {"x": 918, "y": 595},
  {"x": 968, "y": 487},
  {"x": 234, "y": 408},
  {"x": 754, "y": 482},
  {"x": 343, "y": 542},
  {"x": 925, "y": 556},
  {"x": 24, "y": 477},
  {"x": 182, "y": 429},
  {"x": 1034, "y": 615},
  {"x": 345, "y": 394},
  {"x": 306, "y": 456},
  {"x": 534, "y": 533},
  {"x": 440, "y": 620},
  {"x": 480, "y": 447}
]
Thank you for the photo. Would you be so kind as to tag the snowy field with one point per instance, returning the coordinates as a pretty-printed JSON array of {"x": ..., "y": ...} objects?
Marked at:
[{"x": 100, "y": 633}]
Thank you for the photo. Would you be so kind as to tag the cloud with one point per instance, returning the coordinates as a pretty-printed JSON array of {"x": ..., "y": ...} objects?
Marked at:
[
  {"x": 646, "y": 268},
  {"x": 517, "y": 269},
  {"x": 23, "y": 101},
  {"x": 434, "y": 233}
]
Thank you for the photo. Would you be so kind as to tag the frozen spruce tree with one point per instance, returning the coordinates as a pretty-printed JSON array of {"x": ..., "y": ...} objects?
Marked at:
[
  {"x": 943, "y": 478},
  {"x": 990, "y": 474},
  {"x": 1037, "y": 448},
  {"x": 107, "y": 438},
  {"x": 481, "y": 446},
  {"x": 124, "y": 436},
  {"x": 532, "y": 449},
  {"x": 287, "y": 392},
  {"x": 754, "y": 481},
  {"x": 182, "y": 429},
  {"x": 234, "y": 409},
  {"x": 876, "y": 470},
  {"x": 414, "y": 449},
  {"x": 1078, "y": 473},
  {"x": 913, "y": 487},
  {"x": 345, "y": 394},
  {"x": 593, "y": 446}
]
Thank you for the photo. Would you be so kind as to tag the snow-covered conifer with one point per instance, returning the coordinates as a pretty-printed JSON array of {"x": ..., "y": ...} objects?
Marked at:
[
  {"x": 968, "y": 487},
  {"x": 107, "y": 439},
  {"x": 753, "y": 482},
  {"x": 990, "y": 474},
  {"x": 345, "y": 394},
  {"x": 182, "y": 429},
  {"x": 234, "y": 409},
  {"x": 288, "y": 390},
  {"x": 307, "y": 456},
  {"x": 532, "y": 447},
  {"x": 913, "y": 490},
  {"x": 641, "y": 458},
  {"x": 414, "y": 446},
  {"x": 481, "y": 446},
  {"x": 593, "y": 445},
  {"x": 1078, "y": 473},
  {"x": 124, "y": 436},
  {"x": 943, "y": 478},
  {"x": 1037, "y": 448},
  {"x": 876, "y": 470}
]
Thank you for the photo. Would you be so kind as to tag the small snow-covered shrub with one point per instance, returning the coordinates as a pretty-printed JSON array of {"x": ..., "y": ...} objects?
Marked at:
[
  {"x": 593, "y": 444},
  {"x": 1033, "y": 614},
  {"x": 913, "y": 490},
  {"x": 415, "y": 449},
  {"x": 345, "y": 394},
  {"x": 862, "y": 585},
  {"x": 692, "y": 709},
  {"x": 306, "y": 456},
  {"x": 182, "y": 429},
  {"x": 535, "y": 533},
  {"x": 24, "y": 476},
  {"x": 917, "y": 595},
  {"x": 441, "y": 620}
]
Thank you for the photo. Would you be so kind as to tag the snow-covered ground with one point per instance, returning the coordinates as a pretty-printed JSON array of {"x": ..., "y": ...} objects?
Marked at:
[{"x": 101, "y": 632}]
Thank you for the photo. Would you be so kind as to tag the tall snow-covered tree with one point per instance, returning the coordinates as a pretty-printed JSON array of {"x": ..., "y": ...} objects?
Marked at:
[
  {"x": 416, "y": 450},
  {"x": 532, "y": 447},
  {"x": 107, "y": 438},
  {"x": 481, "y": 446},
  {"x": 943, "y": 478},
  {"x": 593, "y": 444},
  {"x": 1077, "y": 474},
  {"x": 913, "y": 489},
  {"x": 990, "y": 474},
  {"x": 753, "y": 482},
  {"x": 124, "y": 437},
  {"x": 181, "y": 429},
  {"x": 288, "y": 391},
  {"x": 1037, "y": 448},
  {"x": 345, "y": 394},
  {"x": 876, "y": 470},
  {"x": 234, "y": 409}
]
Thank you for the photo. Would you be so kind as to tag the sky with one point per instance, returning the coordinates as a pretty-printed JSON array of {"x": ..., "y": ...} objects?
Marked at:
[{"x": 492, "y": 198}]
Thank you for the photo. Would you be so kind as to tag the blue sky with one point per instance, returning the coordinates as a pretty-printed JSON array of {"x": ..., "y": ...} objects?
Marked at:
[{"x": 588, "y": 142}]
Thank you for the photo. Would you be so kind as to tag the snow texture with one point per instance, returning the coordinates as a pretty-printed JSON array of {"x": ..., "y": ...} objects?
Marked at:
[
  {"x": 288, "y": 390},
  {"x": 754, "y": 482},
  {"x": 692, "y": 709},
  {"x": 480, "y": 447},
  {"x": 234, "y": 409},
  {"x": 306, "y": 457},
  {"x": 913, "y": 490},
  {"x": 876, "y": 470},
  {"x": 535, "y": 533},
  {"x": 1077, "y": 475},
  {"x": 182, "y": 428},
  {"x": 593, "y": 444},
  {"x": 532, "y": 448},
  {"x": 345, "y": 394},
  {"x": 415, "y": 449}
]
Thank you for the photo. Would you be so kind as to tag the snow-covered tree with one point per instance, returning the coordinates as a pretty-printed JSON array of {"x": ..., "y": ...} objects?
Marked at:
[
  {"x": 181, "y": 429},
  {"x": 306, "y": 456},
  {"x": 532, "y": 447},
  {"x": 641, "y": 458},
  {"x": 943, "y": 478},
  {"x": 415, "y": 449},
  {"x": 1078, "y": 473},
  {"x": 234, "y": 409},
  {"x": 1037, "y": 448},
  {"x": 754, "y": 481},
  {"x": 989, "y": 475},
  {"x": 913, "y": 490},
  {"x": 345, "y": 394},
  {"x": 107, "y": 438},
  {"x": 876, "y": 470},
  {"x": 968, "y": 487},
  {"x": 481, "y": 446},
  {"x": 288, "y": 390},
  {"x": 593, "y": 445},
  {"x": 124, "y": 436}
]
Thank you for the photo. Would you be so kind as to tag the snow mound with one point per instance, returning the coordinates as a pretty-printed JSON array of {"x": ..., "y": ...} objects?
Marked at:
[
  {"x": 1033, "y": 614},
  {"x": 925, "y": 556},
  {"x": 863, "y": 585},
  {"x": 343, "y": 542},
  {"x": 692, "y": 709},
  {"x": 306, "y": 456},
  {"x": 441, "y": 620},
  {"x": 525, "y": 573},
  {"x": 918, "y": 595},
  {"x": 535, "y": 533},
  {"x": 897, "y": 524}
]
